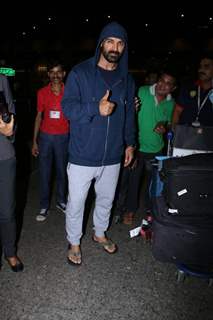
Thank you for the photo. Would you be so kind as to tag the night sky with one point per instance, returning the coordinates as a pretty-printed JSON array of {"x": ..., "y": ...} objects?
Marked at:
[
  {"x": 72, "y": 28},
  {"x": 73, "y": 18}
]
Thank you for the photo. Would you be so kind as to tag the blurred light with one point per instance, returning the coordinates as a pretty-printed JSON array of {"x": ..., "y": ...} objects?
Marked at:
[
  {"x": 42, "y": 68},
  {"x": 109, "y": 17},
  {"x": 34, "y": 27},
  {"x": 182, "y": 15},
  {"x": 210, "y": 19},
  {"x": 146, "y": 25},
  {"x": 49, "y": 18},
  {"x": 7, "y": 71},
  {"x": 87, "y": 20},
  {"x": 24, "y": 33}
]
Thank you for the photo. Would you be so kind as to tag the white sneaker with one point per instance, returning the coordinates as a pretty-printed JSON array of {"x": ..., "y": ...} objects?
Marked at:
[
  {"x": 42, "y": 215},
  {"x": 61, "y": 206}
]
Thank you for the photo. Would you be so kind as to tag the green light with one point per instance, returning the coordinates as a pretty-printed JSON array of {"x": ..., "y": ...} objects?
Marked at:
[{"x": 8, "y": 71}]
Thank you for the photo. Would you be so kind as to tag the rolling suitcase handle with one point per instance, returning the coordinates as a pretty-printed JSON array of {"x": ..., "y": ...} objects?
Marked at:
[{"x": 170, "y": 136}]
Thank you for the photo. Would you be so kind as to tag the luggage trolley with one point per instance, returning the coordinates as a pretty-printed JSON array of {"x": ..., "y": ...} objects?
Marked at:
[
  {"x": 183, "y": 271},
  {"x": 156, "y": 188}
]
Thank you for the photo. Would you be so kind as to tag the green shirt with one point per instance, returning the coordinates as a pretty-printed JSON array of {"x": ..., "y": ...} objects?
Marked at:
[{"x": 150, "y": 113}]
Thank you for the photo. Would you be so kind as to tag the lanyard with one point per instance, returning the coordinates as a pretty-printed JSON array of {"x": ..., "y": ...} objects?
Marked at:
[{"x": 200, "y": 106}]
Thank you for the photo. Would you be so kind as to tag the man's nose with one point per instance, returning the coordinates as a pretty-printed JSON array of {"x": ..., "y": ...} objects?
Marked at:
[{"x": 115, "y": 47}]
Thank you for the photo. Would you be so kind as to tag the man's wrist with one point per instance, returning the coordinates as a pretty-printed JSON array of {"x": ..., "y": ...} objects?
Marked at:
[{"x": 133, "y": 146}]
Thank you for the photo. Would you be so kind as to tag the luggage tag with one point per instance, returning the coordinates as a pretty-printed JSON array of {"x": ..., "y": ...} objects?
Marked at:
[
  {"x": 173, "y": 211},
  {"x": 181, "y": 192},
  {"x": 54, "y": 114},
  {"x": 135, "y": 232}
]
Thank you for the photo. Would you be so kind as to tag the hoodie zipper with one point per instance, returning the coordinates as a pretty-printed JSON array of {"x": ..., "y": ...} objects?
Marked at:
[
  {"x": 108, "y": 122},
  {"x": 106, "y": 140}
]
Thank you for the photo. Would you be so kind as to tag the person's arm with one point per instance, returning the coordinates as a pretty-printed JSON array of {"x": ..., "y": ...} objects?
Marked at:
[
  {"x": 129, "y": 155},
  {"x": 8, "y": 95},
  {"x": 73, "y": 107},
  {"x": 35, "y": 149},
  {"x": 7, "y": 128},
  {"x": 176, "y": 115}
]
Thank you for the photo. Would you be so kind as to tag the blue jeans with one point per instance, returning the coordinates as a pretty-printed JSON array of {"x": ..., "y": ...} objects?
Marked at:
[{"x": 53, "y": 146}]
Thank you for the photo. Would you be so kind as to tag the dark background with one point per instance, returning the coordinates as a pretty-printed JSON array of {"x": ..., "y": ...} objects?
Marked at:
[
  {"x": 159, "y": 34},
  {"x": 32, "y": 33}
]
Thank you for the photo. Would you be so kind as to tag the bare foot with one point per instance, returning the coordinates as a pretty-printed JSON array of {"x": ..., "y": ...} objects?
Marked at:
[
  {"x": 107, "y": 244},
  {"x": 74, "y": 255}
]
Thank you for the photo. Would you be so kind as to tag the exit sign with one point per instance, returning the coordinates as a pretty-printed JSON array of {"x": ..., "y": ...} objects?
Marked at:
[{"x": 7, "y": 71}]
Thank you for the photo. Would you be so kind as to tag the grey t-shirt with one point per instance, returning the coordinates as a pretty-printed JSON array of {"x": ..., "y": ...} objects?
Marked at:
[{"x": 6, "y": 146}]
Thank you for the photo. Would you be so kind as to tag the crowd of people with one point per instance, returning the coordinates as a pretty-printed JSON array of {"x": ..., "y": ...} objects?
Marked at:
[{"x": 97, "y": 127}]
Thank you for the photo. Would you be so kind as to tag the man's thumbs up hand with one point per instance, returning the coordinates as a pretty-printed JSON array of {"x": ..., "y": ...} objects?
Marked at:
[
  {"x": 106, "y": 107},
  {"x": 106, "y": 96}
]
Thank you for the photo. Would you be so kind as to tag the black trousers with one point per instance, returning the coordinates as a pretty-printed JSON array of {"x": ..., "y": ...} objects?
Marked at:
[
  {"x": 7, "y": 206},
  {"x": 127, "y": 196}
]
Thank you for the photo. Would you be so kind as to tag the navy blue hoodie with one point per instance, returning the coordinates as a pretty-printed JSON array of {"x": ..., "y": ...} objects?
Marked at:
[{"x": 96, "y": 140}]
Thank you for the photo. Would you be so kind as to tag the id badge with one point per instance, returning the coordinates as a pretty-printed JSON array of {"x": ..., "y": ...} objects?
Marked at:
[{"x": 54, "y": 114}]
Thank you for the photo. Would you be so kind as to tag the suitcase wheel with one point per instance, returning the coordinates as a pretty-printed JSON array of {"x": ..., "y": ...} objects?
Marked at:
[
  {"x": 210, "y": 282},
  {"x": 180, "y": 276}
]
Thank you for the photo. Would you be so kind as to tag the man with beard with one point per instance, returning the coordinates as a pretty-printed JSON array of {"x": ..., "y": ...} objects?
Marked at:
[
  {"x": 99, "y": 102},
  {"x": 195, "y": 102},
  {"x": 50, "y": 139}
]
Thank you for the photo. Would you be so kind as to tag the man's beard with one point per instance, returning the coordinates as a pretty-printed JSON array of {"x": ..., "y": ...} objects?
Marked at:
[{"x": 111, "y": 56}]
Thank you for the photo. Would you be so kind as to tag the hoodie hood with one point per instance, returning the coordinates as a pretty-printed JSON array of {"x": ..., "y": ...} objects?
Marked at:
[{"x": 114, "y": 29}]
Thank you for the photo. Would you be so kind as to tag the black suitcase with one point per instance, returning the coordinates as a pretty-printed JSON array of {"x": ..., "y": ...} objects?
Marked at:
[
  {"x": 193, "y": 138},
  {"x": 180, "y": 240},
  {"x": 188, "y": 184}
]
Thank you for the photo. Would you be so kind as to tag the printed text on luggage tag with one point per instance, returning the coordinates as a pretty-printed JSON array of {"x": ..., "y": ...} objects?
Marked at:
[
  {"x": 181, "y": 192},
  {"x": 135, "y": 232}
]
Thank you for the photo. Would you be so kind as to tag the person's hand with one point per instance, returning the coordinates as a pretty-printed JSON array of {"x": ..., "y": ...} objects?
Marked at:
[
  {"x": 35, "y": 150},
  {"x": 7, "y": 128},
  {"x": 129, "y": 155},
  {"x": 106, "y": 107},
  {"x": 137, "y": 104},
  {"x": 160, "y": 129}
]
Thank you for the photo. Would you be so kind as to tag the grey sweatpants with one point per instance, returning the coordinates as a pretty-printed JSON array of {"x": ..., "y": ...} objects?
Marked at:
[{"x": 80, "y": 178}]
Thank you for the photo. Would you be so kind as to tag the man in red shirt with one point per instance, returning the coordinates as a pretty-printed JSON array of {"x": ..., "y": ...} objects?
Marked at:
[{"x": 51, "y": 139}]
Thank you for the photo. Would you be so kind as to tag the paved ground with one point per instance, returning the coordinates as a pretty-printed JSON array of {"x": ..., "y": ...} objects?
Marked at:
[{"x": 127, "y": 285}]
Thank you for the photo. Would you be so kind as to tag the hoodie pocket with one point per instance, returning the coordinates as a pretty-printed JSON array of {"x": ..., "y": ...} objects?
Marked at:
[{"x": 88, "y": 142}]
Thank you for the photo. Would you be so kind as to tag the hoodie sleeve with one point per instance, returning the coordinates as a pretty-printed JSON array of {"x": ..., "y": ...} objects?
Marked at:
[
  {"x": 130, "y": 125},
  {"x": 73, "y": 107}
]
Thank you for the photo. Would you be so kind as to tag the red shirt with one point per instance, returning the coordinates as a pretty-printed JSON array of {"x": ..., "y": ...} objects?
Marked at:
[{"x": 53, "y": 121}]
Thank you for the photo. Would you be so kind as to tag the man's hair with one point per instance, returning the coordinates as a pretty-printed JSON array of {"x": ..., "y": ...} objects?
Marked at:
[
  {"x": 170, "y": 72},
  {"x": 206, "y": 55},
  {"x": 55, "y": 63}
]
